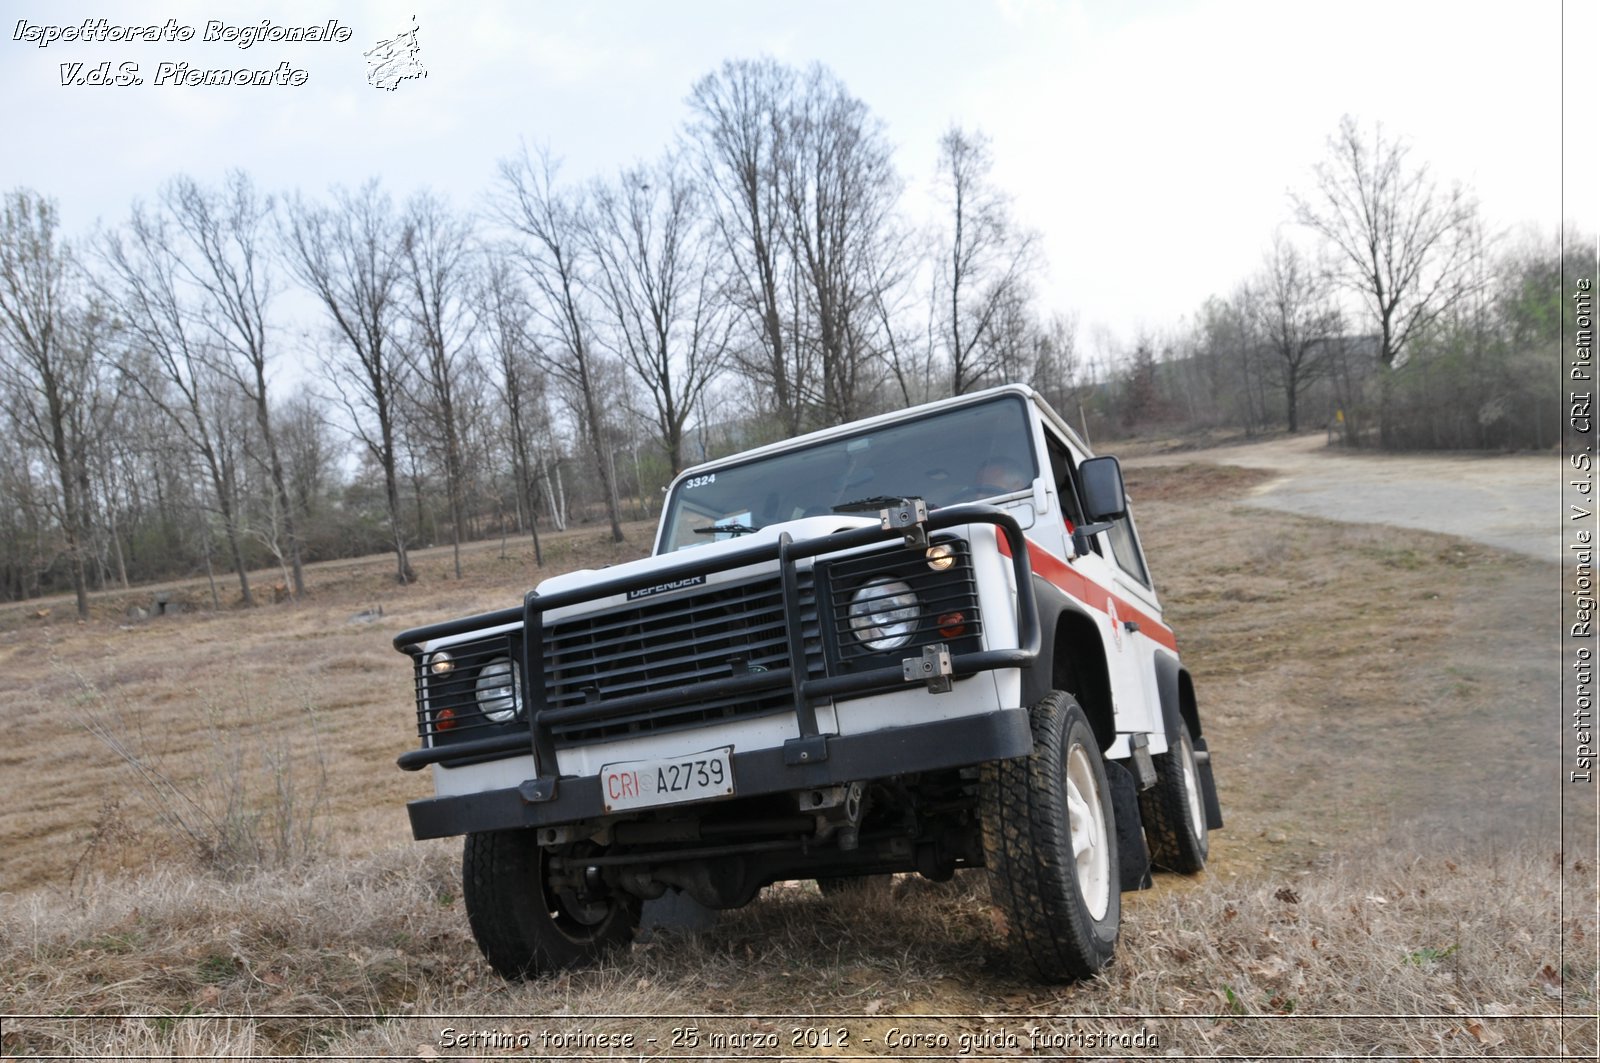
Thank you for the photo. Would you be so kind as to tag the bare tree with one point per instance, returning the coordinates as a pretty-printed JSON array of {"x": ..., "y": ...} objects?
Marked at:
[
  {"x": 414, "y": 441},
  {"x": 50, "y": 359},
  {"x": 839, "y": 192},
  {"x": 552, "y": 223},
  {"x": 108, "y": 453},
  {"x": 669, "y": 324},
  {"x": 1231, "y": 347},
  {"x": 154, "y": 468},
  {"x": 168, "y": 358},
  {"x": 347, "y": 256},
  {"x": 437, "y": 264},
  {"x": 906, "y": 336},
  {"x": 483, "y": 431},
  {"x": 227, "y": 260},
  {"x": 984, "y": 259},
  {"x": 1297, "y": 321},
  {"x": 23, "y": 516},
  {"x": 1056, "y": 362},
  {"x": 506, "y": 316},
  {"x": 737, "y": 130},
  {"x": 309, "y": 453},
  {"x": 1006, "y": 348},
  {"x": 1404, "y": 244}
]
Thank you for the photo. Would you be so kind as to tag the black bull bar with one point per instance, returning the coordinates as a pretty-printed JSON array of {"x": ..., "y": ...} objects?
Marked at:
[{"x": 810, "y": 746}]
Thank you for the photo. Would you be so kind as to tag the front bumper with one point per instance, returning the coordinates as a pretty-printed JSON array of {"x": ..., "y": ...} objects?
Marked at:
[{"x": 941, "y": 744}]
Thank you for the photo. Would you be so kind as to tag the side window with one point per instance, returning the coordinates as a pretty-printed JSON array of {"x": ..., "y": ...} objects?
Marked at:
[
  {"x": 1066, "y": 481},
  {"x": 1125, "y": 545}
]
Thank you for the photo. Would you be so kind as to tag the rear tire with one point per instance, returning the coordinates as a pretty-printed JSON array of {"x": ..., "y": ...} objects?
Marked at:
[
  {"x": 1174, "y": 810},
  {"x": 524, "y": 927},
  {"x": 1050, "y": 844}
]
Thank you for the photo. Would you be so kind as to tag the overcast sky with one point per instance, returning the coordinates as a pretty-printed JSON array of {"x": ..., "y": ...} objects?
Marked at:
[{"x": 1151, "y": 144}]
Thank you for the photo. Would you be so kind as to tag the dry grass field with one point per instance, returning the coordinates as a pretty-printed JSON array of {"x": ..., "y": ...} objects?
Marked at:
[
  {"x": 204, "y": 694},
  {"x": 205, "y": 850}
]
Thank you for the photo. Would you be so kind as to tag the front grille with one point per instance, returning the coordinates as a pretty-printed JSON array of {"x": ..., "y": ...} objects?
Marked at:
[
  {"x": 682, "y": 640},
  {"x": 716, "y": 633}
]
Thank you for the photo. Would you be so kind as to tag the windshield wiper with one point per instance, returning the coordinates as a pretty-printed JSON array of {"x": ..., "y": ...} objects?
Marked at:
[{"x": 730, "y": 529}]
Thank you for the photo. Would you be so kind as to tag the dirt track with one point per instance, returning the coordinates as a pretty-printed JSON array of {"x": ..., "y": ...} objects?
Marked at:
[
  {"x": 1441, "y": 732},
  {"x": 1508, "y": 501}
]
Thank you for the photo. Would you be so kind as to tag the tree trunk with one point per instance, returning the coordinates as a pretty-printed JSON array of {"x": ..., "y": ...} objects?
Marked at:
[
  {"x": 72, "y": 517},
  {"x": 597, "y": 442},
  {"x": 527, "y": 496},
  {"x": 453, "y": 470},
  {"x": 232, "y": 532},
  {"x": 291, "y": 533},
  {"x": 211, "y": 575},
  {"x": 558, "y": 501},
  {"x": 1292, "y": 395},
  {"x": 455, "y": 537},
  {"x": 403, "y": 571}
]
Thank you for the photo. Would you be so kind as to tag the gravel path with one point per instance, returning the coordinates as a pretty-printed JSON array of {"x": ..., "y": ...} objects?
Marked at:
[
  {"x": 1459, "y": 749},
  {"x": 1511, "y": 502}
]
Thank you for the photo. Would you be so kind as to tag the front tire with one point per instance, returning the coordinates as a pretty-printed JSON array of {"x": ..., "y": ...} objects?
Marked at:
[
  {"x": 1174, "y": 810},
  {"x": 1050, "y": 844},
  {"x": 526, "y": 927}
]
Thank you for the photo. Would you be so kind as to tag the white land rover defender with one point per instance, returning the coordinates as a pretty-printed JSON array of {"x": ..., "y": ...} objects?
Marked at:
[{"x": 920, "y": 642}]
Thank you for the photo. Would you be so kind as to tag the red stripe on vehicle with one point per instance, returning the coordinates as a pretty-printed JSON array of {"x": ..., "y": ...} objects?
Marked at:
[{"x": 1087, "y": 591}]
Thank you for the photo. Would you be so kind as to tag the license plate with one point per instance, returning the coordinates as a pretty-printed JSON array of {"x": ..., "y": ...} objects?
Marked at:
[{"x": 669, "y": 780}]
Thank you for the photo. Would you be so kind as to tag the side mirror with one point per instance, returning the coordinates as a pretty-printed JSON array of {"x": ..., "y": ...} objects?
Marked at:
[{"x": 1104, "y": 498}]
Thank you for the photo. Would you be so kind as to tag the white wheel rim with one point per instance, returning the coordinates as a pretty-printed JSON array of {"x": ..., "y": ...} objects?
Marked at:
[
  {"x": 1191, "y": 789},
  {"x": 1086, "y": 823}
]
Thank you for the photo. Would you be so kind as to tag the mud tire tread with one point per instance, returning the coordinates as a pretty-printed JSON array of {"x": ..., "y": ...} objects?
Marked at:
[
  {"x": 1168, "y": 832},
  {"x": 1028, "y": 849},
  {"x": 501, "y": 880}
]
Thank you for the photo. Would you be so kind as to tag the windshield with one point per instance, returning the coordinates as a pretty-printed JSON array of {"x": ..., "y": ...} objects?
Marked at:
[{"x": 960, "y": 455}]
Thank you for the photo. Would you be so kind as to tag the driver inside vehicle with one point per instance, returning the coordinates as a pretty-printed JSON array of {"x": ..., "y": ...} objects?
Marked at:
[{"x": 999, "y": 476}]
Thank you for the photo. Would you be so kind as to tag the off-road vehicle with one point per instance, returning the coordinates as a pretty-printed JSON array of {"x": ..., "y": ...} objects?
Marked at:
[{"x": 920, "y": 642}]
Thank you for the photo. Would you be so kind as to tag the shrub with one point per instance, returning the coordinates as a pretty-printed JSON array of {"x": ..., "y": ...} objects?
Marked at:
[{"x": 250, "y": 794}]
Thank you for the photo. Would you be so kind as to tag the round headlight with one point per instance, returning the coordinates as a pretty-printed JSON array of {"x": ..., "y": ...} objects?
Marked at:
[
  {"x": 499, "y": 689},
  {"x": 883, "y": 614}
]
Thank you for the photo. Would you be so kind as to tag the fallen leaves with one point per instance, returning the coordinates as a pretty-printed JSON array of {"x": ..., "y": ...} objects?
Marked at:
[
  {"x": 1549, "y": 981},
  {"x": 1483, "y": 1035}
]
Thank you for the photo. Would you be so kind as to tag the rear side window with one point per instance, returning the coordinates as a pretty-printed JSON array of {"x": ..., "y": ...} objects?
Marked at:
[{"x": 1125, "y": 545}]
